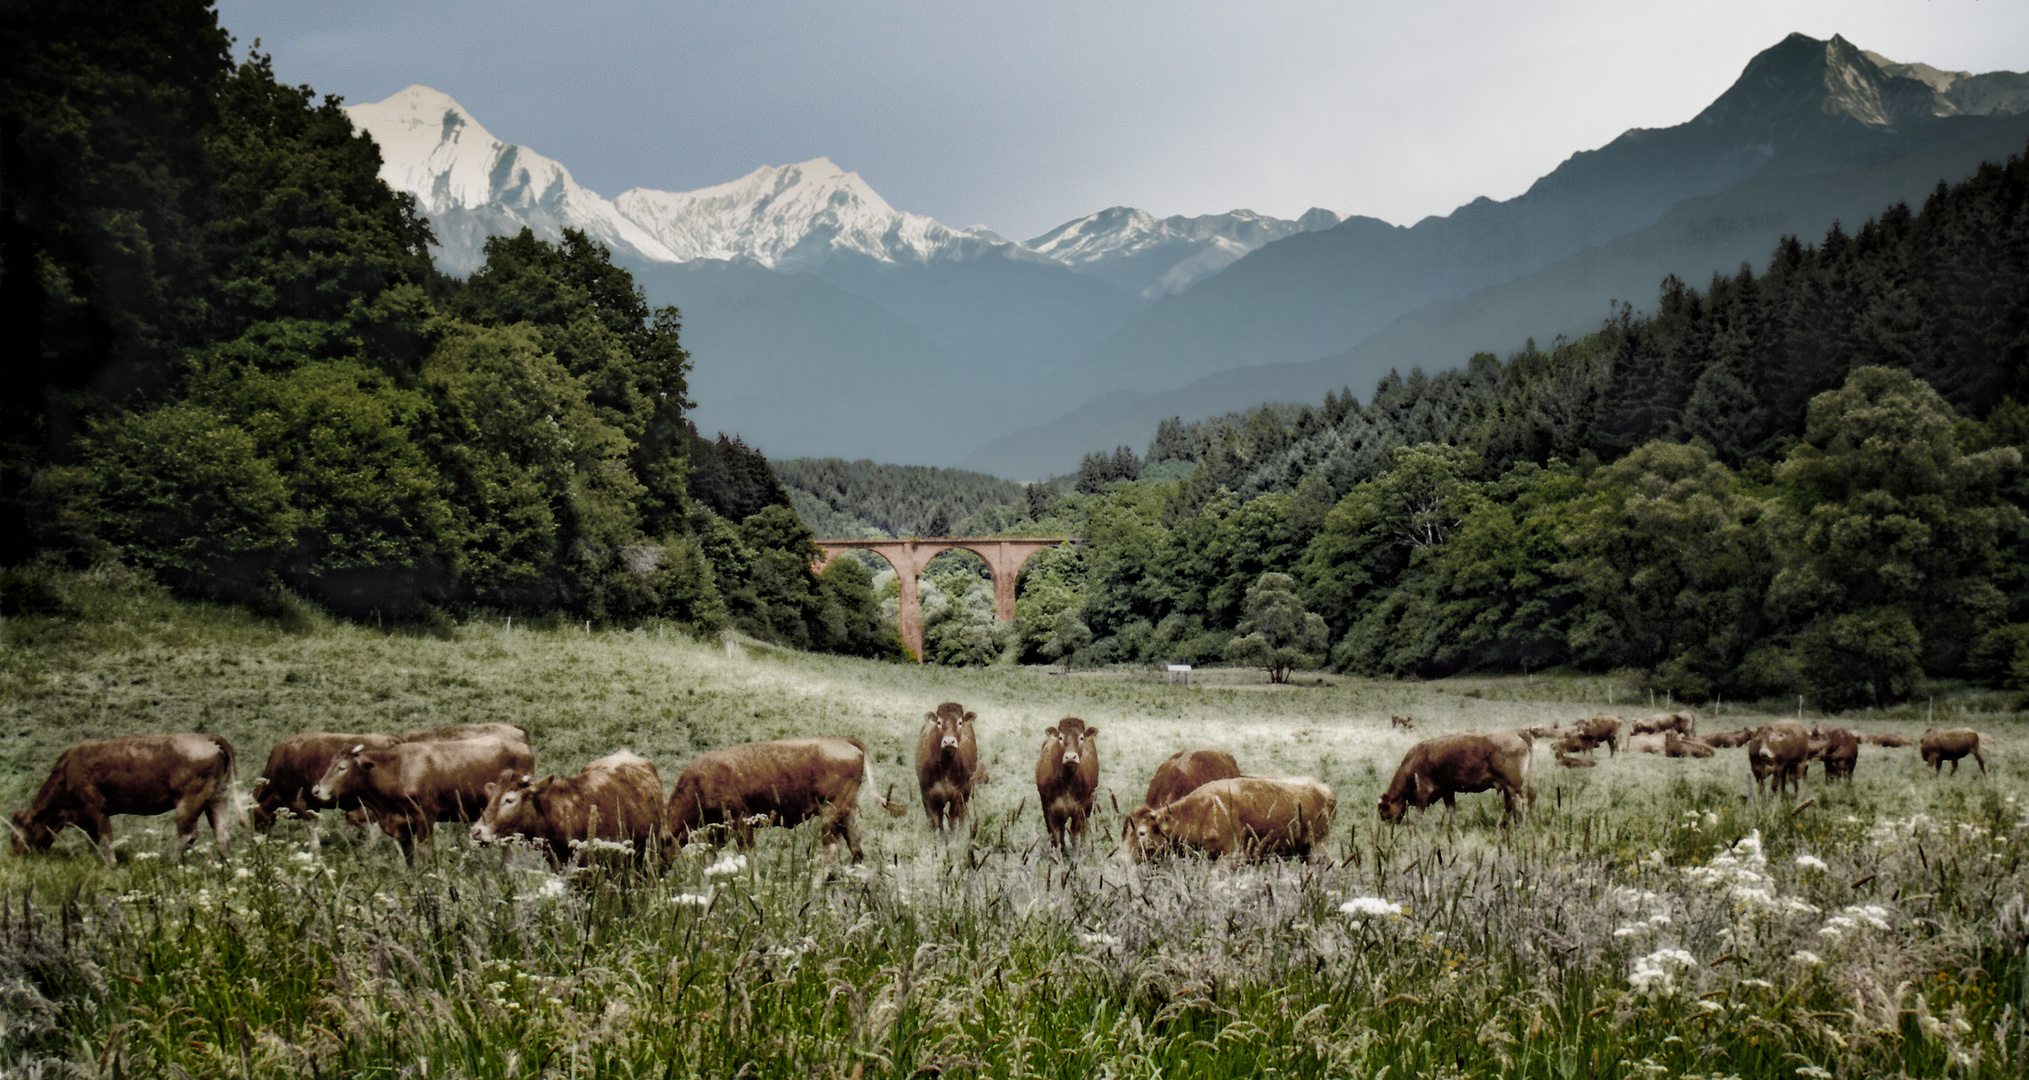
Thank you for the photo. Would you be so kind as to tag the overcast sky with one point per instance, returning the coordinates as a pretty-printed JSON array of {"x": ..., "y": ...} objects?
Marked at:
[{"x": 1022, "y": 115}]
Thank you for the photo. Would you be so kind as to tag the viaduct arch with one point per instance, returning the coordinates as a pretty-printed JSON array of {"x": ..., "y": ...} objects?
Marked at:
[{"x": 1004, "y": 559}]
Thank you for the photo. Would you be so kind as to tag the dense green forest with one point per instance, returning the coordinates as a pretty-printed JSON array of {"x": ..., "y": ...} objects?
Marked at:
[
  {"x": 865, "y": 499},
  {"x": 1806, "y": 480},
  {"x": 236, "y": 368}
]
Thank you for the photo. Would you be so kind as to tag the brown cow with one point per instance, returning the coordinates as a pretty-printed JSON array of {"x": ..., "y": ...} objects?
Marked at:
[
  {"x": 1888, "y": 739},
  {"x": 1067, "y": 775},
  {"x": 1727, "y": 740},
  {"x": 192, "y": 774},
  {"x": 1951, "y": 744},
  {"x": 1684, "y": 723},
  {"x": 1838, "y": 748},
  {"x": 1449, "y": 764},
  {"x": 461, "y": 732},
  {"x": 1591, "y": 733},
  {"x": 408, "y": 787},
  {"x": 294, "y": 767},
  {"x": 1406, "y": 723},
  {"x": 1648, "y": 742},
  {"x": 1675, "y": 745},
  {"x": 1182, "y": 773},
  {"x": 1243, "y": 816},
  {"x": 1779, "y": 750},
  {"x": 947, "y": 764},
  {"x": 786, "y": 783},
  {"x": 617, "y": 798}
]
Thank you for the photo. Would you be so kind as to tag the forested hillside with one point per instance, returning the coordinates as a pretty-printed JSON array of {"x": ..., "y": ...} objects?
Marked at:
[
  {"x": 235, "y": 367},
  {"x": 863, "y": 499}
]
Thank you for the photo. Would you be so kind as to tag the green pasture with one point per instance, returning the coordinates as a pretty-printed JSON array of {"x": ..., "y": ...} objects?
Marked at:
[{"x": 1648, "y": 920}]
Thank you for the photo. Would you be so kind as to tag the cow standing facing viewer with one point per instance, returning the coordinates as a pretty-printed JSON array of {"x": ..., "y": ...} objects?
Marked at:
[
  {"x": 1067, "y": 776},
  {"x": 1779, "y": 750},
  {"x": 192, "y": 774},
  {"x": 947, "y": 764}
]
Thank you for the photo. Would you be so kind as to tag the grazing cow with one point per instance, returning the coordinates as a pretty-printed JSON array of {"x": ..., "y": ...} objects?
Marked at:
[
  {"x": 1243, "y": 816},
  {"x": 1779, "y": 750},
  {"x": 1184, "y": 772},
  {"x": 1590, "y": 733},
  {"x": 1675, "y": 745},
  {"x": 617, "y": 798},
  {"x": 1951, "y": 744},
  {"x": 1442, "y": 767},
  {"x": 1888, "y": 739},
  {"x": 1727, "y": 740},
  {"x": 408, "y": 787},
  {"x": 786, "y": 783},
  {"x": 1683, "y": 723},
  {"x": 947, "y": 764},
  {"x": 1838, "y": 748},
  {"x": 192, "y": 774},
  {"x": 460, "y": 732},
  {"x": 1406, "y": 723},
  {"x": 294, "y": 767},
  {"x": 1067, "y": 775}
]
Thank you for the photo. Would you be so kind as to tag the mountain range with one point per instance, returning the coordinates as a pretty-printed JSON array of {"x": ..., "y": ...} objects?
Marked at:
[{"x": 826, "y": 323}]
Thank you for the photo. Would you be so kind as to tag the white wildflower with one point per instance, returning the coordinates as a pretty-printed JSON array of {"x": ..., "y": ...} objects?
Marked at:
[
  {"x": 1657, "y": 972},
  {"x": 1659, "y": 919},
  {"x": 144, "y": 856},
  {"x": 1762, "y": 983},
  {"x": 1815, "y": 1072},
  {"x": 685, "y": 899},
  {"x": 728, "y": 865},
  {"x": 1631, "y": 931},
  {"x": 1811, "y": 862},
  {"x": 1372, "y": 907},
  {"x": 1807, "y": 958},
  {"x": 1873, "y": 915},
  {"x": 242, "y": 873},
  {"x": 1102, "y": 940},
  {"x": 1798, "y": 907},
  {"x": 1711, "y": 820}
]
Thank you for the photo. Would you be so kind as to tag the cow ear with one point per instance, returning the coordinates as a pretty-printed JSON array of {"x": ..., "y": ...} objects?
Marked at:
[
  {"x": 970, "y": 717},
  {"x": 543, "y": 785},
  {"x": 1049, "y": 733},
  {"x": 366, "y": 763},
  {"x": 1091, "y": 732},
  {"x": 930, "y": 716},
  {"x": 492, "y": 788}
]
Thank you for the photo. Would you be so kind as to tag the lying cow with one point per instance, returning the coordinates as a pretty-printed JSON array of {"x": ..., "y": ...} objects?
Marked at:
[
  {"x": 1779, "y": 750},
  {"x": 1889, "y": 739},
  {"x": 1445, "y": 766},
  {"x": 617, "y": 798},
  {"x": 1245, "y": 816},
  {"x": 785, "y": 783},
  {"x": 408, "y": 787},
  {"x": 1067, "y": 776},
  {"x": 294, "y": 767},
  {"x": 1838, "y": 748},
  {"x": 1182, "y": 773},
  {"x": 1679, "y": 746},
  {"x": 1648, "y": 742},
  {"x": 1950, "y": 744},
  {"x": 192, "y": 774},
  {"x": 1683, "y": 723},
  {"x": 1727, "y": 740},
  {"x": 947, "y": 764}
]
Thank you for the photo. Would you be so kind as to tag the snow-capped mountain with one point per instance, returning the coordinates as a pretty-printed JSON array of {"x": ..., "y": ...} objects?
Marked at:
[
  {"x": 796, "y": 217},
  {"x": 472, "y": 185},
  {"x": 1151, "y": 256}
]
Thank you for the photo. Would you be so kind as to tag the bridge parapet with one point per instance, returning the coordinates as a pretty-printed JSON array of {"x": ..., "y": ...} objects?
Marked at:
[{"x": 1004, "y": 559}]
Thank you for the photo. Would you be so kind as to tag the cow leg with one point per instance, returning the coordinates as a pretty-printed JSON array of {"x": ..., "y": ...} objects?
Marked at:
[
  {"x": 1982, "y": 759},
  {"x": 188, "y": 810}
]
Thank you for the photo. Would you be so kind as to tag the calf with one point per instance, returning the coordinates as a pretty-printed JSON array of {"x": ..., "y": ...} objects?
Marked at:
[
  {"x": 408, "y": 787},
  {"x": 1941, "y": 745},
  {"x": 1442, "y": 767},
  {"x": 786, "y": 782},
  {"x": 617, "y": 798},
  {"x": 947, "y": 764},
  {"x": 1184, "y": 772},
  {"x": 1683, "y": 723},
  {"x": 192, "y": 774},
  {"x": 1727, "y": 740},
  {"x": 294, "y": 767},
  {"x": 1779, "y": 750},
  {"x": 1838, "y": 748},
  {"x": 1067, "y": 775},
  {"x": 1243, "y": 816}
]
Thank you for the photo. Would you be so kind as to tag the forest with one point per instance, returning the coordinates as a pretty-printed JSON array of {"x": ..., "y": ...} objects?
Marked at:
[{"x": 239, "y": 371}]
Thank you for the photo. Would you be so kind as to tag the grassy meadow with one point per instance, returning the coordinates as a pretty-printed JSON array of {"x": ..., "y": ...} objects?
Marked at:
[{"x": 1648, "y": 920}]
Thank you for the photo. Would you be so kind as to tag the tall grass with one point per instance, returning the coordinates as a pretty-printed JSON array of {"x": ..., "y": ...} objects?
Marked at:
[{"x": 1648, "y": 920}]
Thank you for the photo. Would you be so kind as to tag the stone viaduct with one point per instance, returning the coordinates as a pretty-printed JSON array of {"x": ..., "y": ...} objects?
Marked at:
[{"x": 1004, "y": 559}]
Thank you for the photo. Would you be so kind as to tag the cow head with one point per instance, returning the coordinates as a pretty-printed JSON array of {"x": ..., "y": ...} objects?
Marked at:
[
  {"x": 513, "y": 806},
  {"x": 1074, "y": 742},
  {"x": 347, "y": 771},
  {"x": 952, "y": 724},
  {"x": 1145, "y": 834},
  {"x": 1393, "y": 805},
  {"x": 31, "y": 834}
]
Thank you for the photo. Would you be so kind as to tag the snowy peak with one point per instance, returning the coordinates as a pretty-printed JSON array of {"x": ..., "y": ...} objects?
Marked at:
[
  {"x": 472, "y": 185},
  {"x": 1156, "y": 256},
  {"x": 794, "y": 217}
]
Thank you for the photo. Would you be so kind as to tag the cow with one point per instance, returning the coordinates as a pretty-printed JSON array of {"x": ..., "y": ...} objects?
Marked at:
[
  {"x": 947, "y": 764},
  {"x": 1941, "y": 745},
  {"x": 1679, "y": 746},
  {"x": 459, "y": 732},
  {"x": 1779, "y": 750},
  {"x": 294, "y": 767},
  {"x": 1182, "y": 773},
  {"x": 786, "y": 782},
  {"x": 1888, "y": 739},
  {"x": 1648, "y": 742},
  {"x": 1727, "y": 740},
  {"x": 1573, "y": 761},
  {"x": 1683, "y": 723},
  {"x": 617, "y": 798},
  {"x": 1442, "y": 767},
  {"x": 1591, "y": 733},
  {"x": 1243, "y": 816},
  {"x": 1067, "y": 776},
  {"x": 1838, "y": 748},
  {"x": 191, "y": 773},
  {"x": 408, "y": 787},
  {"x": 1406, "y": 723}
]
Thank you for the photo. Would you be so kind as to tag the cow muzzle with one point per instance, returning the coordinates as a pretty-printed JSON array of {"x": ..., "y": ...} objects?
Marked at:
[
  {"x": 321, "y": 793},
  {"x": 950, "y": 742},
  {"x": 482, "y": 833}
]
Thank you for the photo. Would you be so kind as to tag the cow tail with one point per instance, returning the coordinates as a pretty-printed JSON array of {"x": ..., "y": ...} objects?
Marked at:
[
  {"x": 867, "y": 779},
  {"x": 231, "y": 794}
]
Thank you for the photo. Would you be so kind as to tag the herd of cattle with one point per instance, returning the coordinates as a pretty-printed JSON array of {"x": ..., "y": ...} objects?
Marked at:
[{"x": 1198, "y": 799}]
